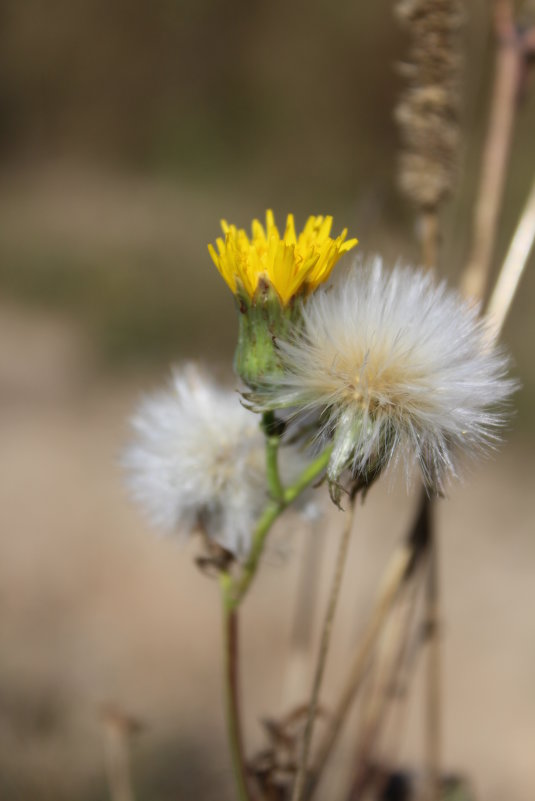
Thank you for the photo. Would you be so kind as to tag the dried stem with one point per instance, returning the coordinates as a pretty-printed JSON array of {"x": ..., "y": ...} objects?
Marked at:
[
  {"x": 428, "y": 117},
  {"x": 396, "y": 724},
  {"x": 430, "y": 246},
  {"x": 300, "y": 781},
  {"x": 496, "y": 150},
  {"x": 118, "y": 729},
  {"x": 231, "y": 681},
  {"x": 393, "y": 651},
  {"x": 304, "y": 614},
  {"x": 392, "y": 582},
  {"x": 513, "y": 266},
  {"x": 433, "y": 706},
  {"x": 394, "y": 736},
  {"x": 400, "y": 567},
  {"x": 430, "y": 238}
]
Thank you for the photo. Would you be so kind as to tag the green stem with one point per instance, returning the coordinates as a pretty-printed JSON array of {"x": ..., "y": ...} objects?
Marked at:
[
  {"x": 234, "y": 590},
  {"x": 271, "y": 513},
  {"x": 272, "y": 430},
  {"x": 309, "y": 474},
  {"x": 230, "y": 647}
]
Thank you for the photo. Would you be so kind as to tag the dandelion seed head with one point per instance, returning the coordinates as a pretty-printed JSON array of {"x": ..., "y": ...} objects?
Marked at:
[
  {"x": 197, "y": 461},
  {"x": 397, "y": 367}
]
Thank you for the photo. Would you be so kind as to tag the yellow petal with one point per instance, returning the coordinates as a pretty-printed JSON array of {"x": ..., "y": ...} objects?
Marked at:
[{"x": 294, "y": 264}]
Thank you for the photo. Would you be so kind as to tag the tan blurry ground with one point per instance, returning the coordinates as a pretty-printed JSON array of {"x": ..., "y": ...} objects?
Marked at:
[{"x": 95, "y": 609}]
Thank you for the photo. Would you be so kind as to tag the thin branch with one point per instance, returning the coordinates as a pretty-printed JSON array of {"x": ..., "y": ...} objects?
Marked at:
[
  {"x": 396, "y": 723},
  {"x": 430, "y": 247},
  {"x": 300, "y": 781},
  {"x": 458, "y": 225},
  {"x": 297, "y": 669},
  {"x": 393, "y": 652},
  {"x": 496, "y": 150},
  {"x": 513, "y": 266},
  {"x": 429, "y": 238},
  {"x": 118, "y": 729},
  {"x": 400, "y": 567},
  {"x": 433, "y": 707}
]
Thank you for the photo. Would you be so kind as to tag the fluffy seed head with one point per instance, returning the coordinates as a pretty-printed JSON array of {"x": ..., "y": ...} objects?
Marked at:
[
  {"x": 291, "y": 264},
  {"x": 396, "y": 366},
  {"x": 197, "y": 461}
]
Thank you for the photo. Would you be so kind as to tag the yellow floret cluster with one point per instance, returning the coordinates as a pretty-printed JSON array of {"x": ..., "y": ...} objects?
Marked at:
[{"x": 291, "y": 264}]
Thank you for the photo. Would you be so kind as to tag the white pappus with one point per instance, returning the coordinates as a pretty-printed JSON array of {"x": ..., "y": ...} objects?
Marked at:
[
  {"x": 197, "y": 461},
  {"x": 396, "y": 366}
]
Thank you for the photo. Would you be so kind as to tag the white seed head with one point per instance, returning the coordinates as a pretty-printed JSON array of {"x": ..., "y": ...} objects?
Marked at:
[
  {"x": 197, "y": 461},
  {"x": 397, "y": 367}
]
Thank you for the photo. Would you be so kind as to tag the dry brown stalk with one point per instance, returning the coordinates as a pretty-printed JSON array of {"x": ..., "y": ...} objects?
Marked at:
[
  {"x": 433, "y": 706},
  {"x": 397, "y": 720},
  {"x": 428, "y": 115},
  {"x": 514, "y": 265},
  {"x": 398, "y": 570},
  {"x": 392, "y": 653},
  {"x": 118, "y": 730},
  {"x": 297, "y": 669},
  {"x": 301, "y": 777},
  {"x": 496, "y": 149},
  {"x": 429, "y": 236}
]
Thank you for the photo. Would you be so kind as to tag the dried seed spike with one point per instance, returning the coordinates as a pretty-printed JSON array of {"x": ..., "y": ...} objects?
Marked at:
[{"x": 427, "y": 113}]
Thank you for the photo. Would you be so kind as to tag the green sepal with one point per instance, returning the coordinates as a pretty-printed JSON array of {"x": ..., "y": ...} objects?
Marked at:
[
  {"x": 262, "y": 319},
  {"x": 346, "y": 438}
]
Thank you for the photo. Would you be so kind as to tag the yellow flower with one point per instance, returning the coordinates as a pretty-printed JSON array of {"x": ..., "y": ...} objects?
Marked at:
[{"x": 291, "y": 264}]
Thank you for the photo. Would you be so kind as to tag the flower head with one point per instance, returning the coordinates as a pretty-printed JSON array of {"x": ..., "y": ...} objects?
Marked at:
[
  {"x": 396, "y": 366},
  {"x": 291, "y": 264},
  {"x": 198, "y": 461}
]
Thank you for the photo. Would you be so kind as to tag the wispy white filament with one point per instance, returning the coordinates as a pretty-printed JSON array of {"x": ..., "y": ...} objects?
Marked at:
[
  {"x": 197, "y": 461},
  {"x": 396, "y": 366}
]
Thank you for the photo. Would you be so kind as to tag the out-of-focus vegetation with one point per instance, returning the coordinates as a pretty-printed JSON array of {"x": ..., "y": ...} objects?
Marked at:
[
  {"x": 127, "y": 129},
  {"x": 205, "y": 90}
]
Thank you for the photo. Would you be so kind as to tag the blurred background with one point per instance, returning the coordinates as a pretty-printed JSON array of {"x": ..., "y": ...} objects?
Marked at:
[{"x": 127, "y": 130}]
